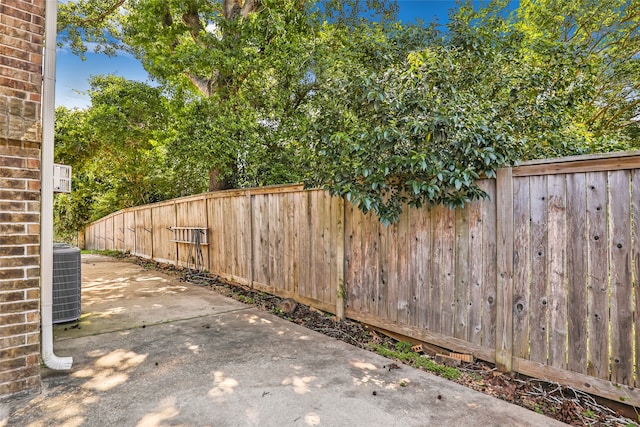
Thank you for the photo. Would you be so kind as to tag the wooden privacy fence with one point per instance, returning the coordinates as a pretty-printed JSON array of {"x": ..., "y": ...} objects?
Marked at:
[{"x": 541, "y": 278}]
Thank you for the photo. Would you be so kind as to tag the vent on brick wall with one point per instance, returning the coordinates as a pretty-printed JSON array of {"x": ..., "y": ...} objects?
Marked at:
[
  {"x": 66, "y": 283},
  {"x": 61, "y": 178}
]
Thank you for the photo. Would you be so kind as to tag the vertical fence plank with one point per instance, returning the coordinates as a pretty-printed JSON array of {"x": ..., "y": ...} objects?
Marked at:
[
  {"x": 476, "y": 279},
  {"x": 597, "y": 284},
  {"x": 538, "y": 320},
  {"x": 353, "y": 251},
  {"x": 419, "y": 261},
  {"x": 437, "y": 268},
  {"x": 577, "y": 272},
  {"x": 261, "y": 240},
  {"x": 557, "y": 301},
  {"x": 130, "y": 231},
  {"x": 388, "y": 263},
  {"x": 402, "y": 295},
  {"x": 317, "y": 228},
  {"x": 635, "y": 214},
  {"x": 329, "y": 253},
  {"x": 504, "y": 265},
  {"x": 489, "y": 251},
  {"x": 462, "y": 264},
  {"x": 118, "y": 226},
  {"x": 164, "y": 218},
  {"x": 108, "y": 233},
  {"x": 289, "y": 246},
  {"x": 371, "y": 278},
  {"x": 521, "y": 266},
  {"x": 230, "y": 241},
  {"x": 214, "y": 234},
  {"x": 340, "y": 258},
  {"x": 302, "y": 224},
  {"x": 620, "y": 280},
  {"x": 449, "y": 270},
  {"x": 413, "y": 259},
  {"x": 275, "y": 241},
  {"x": 241, "y": 216}
]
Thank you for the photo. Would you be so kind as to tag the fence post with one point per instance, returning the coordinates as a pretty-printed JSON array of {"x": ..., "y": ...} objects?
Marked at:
[
  {"x": 504, "y": 288},
  {"x": 81, "y": 238}
]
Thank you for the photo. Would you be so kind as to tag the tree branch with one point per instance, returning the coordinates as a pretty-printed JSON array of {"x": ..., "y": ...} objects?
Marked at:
[{"x": 102, "y": 16}]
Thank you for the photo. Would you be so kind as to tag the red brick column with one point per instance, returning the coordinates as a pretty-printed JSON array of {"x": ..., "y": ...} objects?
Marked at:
[{"x": 21, "y": 31}]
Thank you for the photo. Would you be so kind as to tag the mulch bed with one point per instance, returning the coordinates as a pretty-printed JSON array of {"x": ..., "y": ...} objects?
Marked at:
[{"x": 562, "y": 403}]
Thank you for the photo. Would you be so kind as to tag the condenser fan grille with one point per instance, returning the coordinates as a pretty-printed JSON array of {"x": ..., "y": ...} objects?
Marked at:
[{"x": 66, "y": 283}]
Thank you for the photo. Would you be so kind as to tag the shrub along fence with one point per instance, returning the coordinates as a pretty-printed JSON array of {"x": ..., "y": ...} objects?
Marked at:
[{"x": 541, "y": 278}]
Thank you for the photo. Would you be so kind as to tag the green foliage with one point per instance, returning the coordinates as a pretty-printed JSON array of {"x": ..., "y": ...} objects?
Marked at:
[
  {"x": 422, "y": 127},
  {"x": 339, "y": 94},
  {"x": 403, "y": 353},
  {"x": 115, "y": 151}
]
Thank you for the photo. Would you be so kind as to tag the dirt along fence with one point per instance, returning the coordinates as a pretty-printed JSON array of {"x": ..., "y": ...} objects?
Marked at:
[{"x": 542, "y": 278}]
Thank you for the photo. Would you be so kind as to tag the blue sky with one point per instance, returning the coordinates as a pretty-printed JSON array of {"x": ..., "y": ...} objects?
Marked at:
[{"x": 72, "y": 73}]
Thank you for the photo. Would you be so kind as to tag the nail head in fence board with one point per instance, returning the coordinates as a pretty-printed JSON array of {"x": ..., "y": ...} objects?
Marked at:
[
  {"x": 504, "y": 325},
  {"x": 621, "y": 292},
  {"x": 521, "y": 264},
  {"x": 577, "y": 272},
  {"x": 597, "y": 286}
]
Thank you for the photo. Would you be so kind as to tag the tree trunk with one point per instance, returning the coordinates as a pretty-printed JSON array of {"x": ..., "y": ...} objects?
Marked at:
[{"x": 217, "y": 182}]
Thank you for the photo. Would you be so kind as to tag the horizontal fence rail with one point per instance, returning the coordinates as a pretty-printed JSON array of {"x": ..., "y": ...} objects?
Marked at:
[{"x": 541, "y": 278}]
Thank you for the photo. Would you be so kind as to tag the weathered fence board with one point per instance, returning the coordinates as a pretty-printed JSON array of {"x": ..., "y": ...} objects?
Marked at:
[
  {"x": 109, "y": 243},
  {"x": 556, "y": 299},
  {"x": 620, "y": 279},
  {"x": 164, "y": 217},
  {"x": 476, "y": 272},
  {"x": 635, "y": 215},
  {"x": 541, "y": 277},
  {"x": 538, "y": 319},
  {"x": 144, "y": 230},
  {"x": 577, "y": 272},
  {"x": 521, "y": 267},
  {"x": 597, "y": 285},
  {"x": 489, "y": 248},
  {"x": 118, "y": 232}
]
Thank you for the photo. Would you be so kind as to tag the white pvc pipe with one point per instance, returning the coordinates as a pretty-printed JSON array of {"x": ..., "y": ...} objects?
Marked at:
[{"x": 46, "y": 191}]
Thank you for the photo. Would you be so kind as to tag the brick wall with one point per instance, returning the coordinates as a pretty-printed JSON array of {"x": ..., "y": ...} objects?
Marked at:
[{"x": 21, "y": 32}]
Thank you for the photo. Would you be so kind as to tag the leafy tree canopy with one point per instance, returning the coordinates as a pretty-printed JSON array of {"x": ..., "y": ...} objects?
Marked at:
[{"x": 266, "y": 91}]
